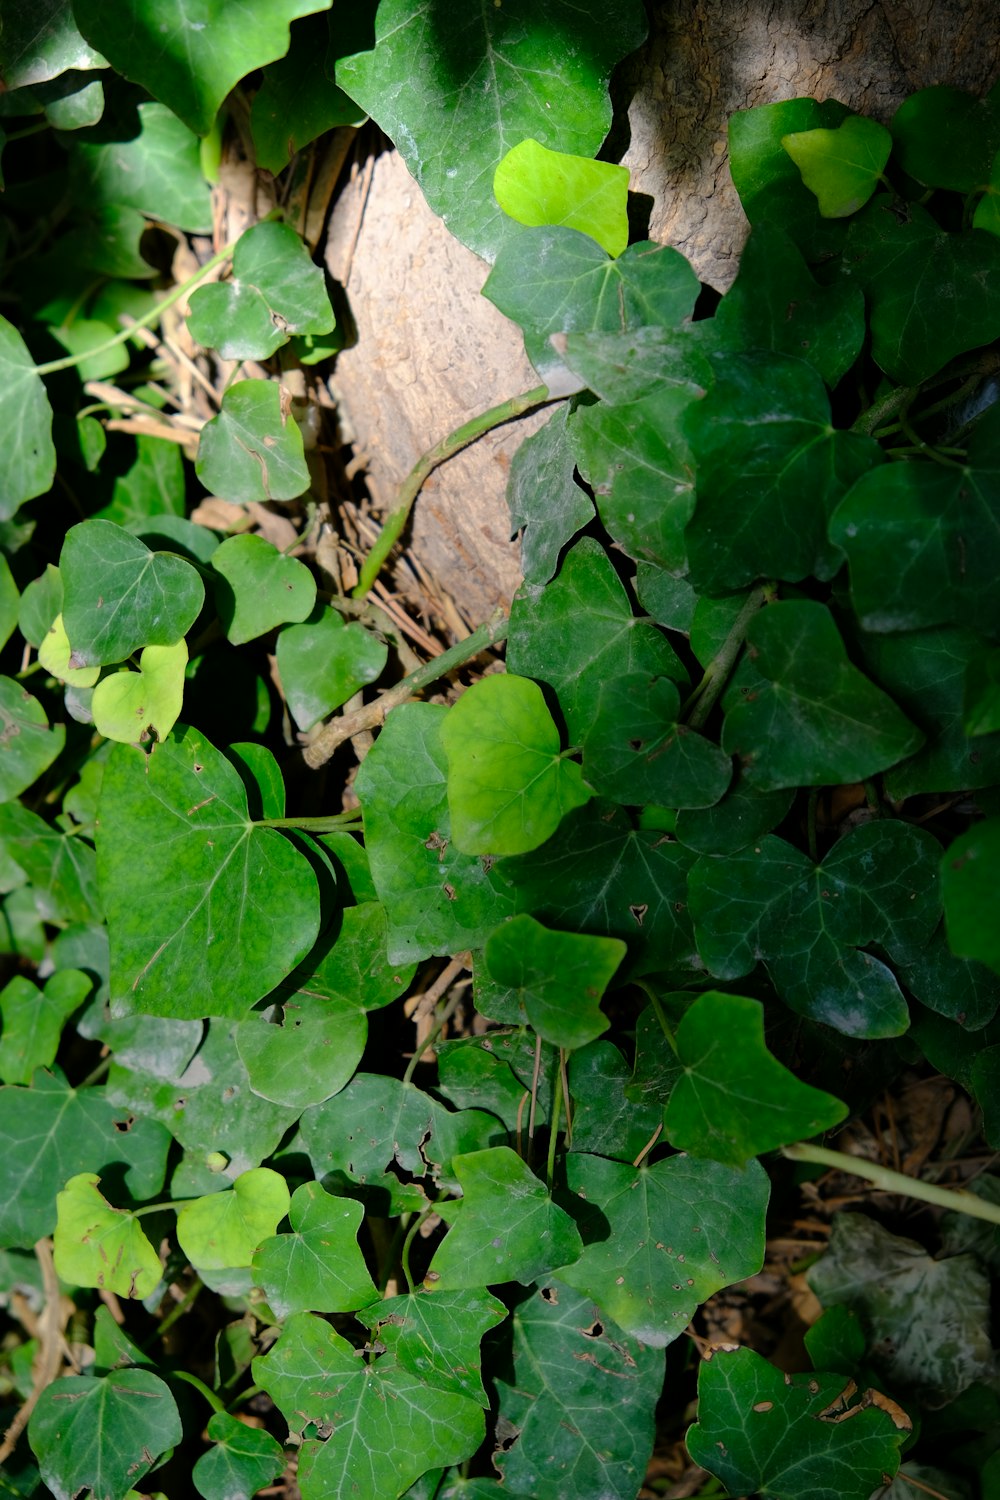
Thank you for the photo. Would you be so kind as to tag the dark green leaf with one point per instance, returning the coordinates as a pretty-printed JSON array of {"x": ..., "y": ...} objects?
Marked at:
[
  {"x": 259, "y": 588},
  {"x": 488, "y": 78},
  {"x": 947, "y": 138},
  {"x": 355, "y": 969},
  {"x": 29, "y": 458},
  {"x": 970, "y": 878},
  {"x": 558, "y": 978},
  {"x": 188, "y": 883},
  {"x": 812, "y": 719},
  {"x": 878, "y": 885},
  {"x": 324, "y": 662},
  {"x": 606, "y": 1122},
  {"x": 743, "y": 815},
  {"x": 437, "y": 1337},
  {"x": 243, "y": 1461},
  {"x": 153, "y": 486},
  {"x": 307, "y": 1056},
  {"x": 767, "y": 180},
  {"x": 579, "y": 1399},
  {"x": 103, "y": 1434},
  {"x": 508, "y": 1228},
  {"x": 275, "y": 291},
  {"x": 982, "y": 694},
  {"x": 637, "y": 753},
  {"x": 788, "y": 1437},
  {"x": 253, "y": 449},
  {"x": 61, "y": 867},
  {"x": 353, "y": 1137},
  {"x": 33, "y": 1021},
  {"x": 437, "y": 900},
  {"x": 157, "y": 172},
  {"x": 545, "y": 501},
  {"x": 660, "y": 1240},
  {"x": 836, "y": 1341},
  {"x": 298, "y": 99},
  {"x": 495, "y": 1073},
  {"x": 28, "y": 743},
  {"x": 959, "y": 988},
  {"x": 40, "y": 41},
  {"x": 319, "y": 1266}
]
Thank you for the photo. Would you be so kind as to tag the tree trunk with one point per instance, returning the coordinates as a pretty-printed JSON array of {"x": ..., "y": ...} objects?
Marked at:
[{"x": 431, "y": 351}]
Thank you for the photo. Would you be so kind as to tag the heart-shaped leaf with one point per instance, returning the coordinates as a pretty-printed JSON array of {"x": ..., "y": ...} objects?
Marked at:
[
  {"x": 100, "y": 1246},
  {"x": 157, "y": 171},
  {"x": 308, "y": 1056},
  {"x": 28, "y": 743},
  {"x": 33, "y": 1021},
  {"x": 27, "y": 458},
  {"x": 127, "y": 705},
  {"x": 243, "y": 1460},
  {"x": 843, "y": 167},
  {"x": 319, "y": 1266},
  {"x": 259, "y": 588},
  {"x": 557, "y": 978},
  {"x": 253, "y": 449},
  {"x": 103, "y": 1434},
  {"x": 118, "y": 596},
  {"x": 324, "y": 662},
  {"x": 537, "y": 186},
  {"x": 275, "y": 291},
  {"x": 224, "y": 1229}
]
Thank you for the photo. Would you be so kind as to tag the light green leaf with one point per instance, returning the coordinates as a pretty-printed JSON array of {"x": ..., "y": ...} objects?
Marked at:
[
  {"x": 508, "y": 73},
  {"x": 188, "y": 881},
  {"x": 580, "y": 1397},
  {"x": 189, "y": 55},
  {"x": 354, "y": 970},
  {"x": 508, "y": 1229},
  {"x": 319, "y": 1266},
  {"x": 537, "y": 186},
  {"x": 28, "y": 461},
  {"x": 509, "y": 787},
  {"x": 877, "y": 885},
  {"x": 324, "y": 662},
  {"x": 437, "y": 899},
  {"x": 660, "y": 1240},
  {"x": 100, "y": 1246},
  {"x": 103, "y": 1434},
  {"x": 259, "y": 588},
  {"x": 28, "y": 743},
  {"x": 387, "y": 1425},
  {"x": 558, "y": 978},
  {"x": 811, "y": 719},
  {"x": 127, "y": 705},
  {"x": 10, "y": 601},
  {"x": 54, "y": 655},
  {"x": 118, "y": 596},
  {"x": 306, "y": 1057},
  {"x": 243, "y": 1461},
  {"x": 768, "y": 182},
  {"x": 33, "y": 1021},
  {"x": 275, "y": 291},
  {"x": 733, "y": 1099},
  {"x": 843, "y": 167},
  {"x": 253, "y": 449},
  {"x": 788, "y": 1437},
  {"x": 226, "y": 1228},
  {"x": 157, "y": 171}
]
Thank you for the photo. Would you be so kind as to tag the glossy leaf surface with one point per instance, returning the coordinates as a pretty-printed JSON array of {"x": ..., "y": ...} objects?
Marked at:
[
  {"x": 319, "y": 1266},
  {"x": 105, "y": 1433}
]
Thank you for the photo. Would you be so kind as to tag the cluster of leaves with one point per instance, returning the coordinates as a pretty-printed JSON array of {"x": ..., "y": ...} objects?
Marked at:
[{"x": 760, "y": 554}]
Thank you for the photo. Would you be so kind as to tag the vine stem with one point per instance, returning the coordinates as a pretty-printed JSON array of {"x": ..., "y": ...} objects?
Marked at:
[
  {"x": 328, "y": 823},
  {"x": 443, "y": 1019},
  {"x": 716, "y": 675},
  {"x": 557, "y": 1099},
  {"x": 200, "y": 1385},
  {"x": 959, "y": 1200},
  {"x": 462, "y": 436},
  {"x": 146, "y": 321},
  {"x": 372, "y": 715}
]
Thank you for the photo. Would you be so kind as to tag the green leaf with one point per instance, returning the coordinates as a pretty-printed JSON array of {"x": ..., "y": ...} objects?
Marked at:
[
  {"x": 599, "y": 874},
  {"x": 775, "y": 303},
  {"x": 243, "y": 1461},
  {"x": 877, "y": 885},
  {"x": 153, "y": 486},
  {"x": 767, "y": 180},
  {"x": 959, "y": 988},
  {"x": 61, "y": 866},
  {"x": 319, "y": 1266},
  {"x": 118, "y": 596},
  {"x": 225, "y": 1229},
  {"x": 33, "y": 1021},
  {"x": 606, "y": 1121},
  {"x": 509, "y": 787},
  {"x": 843, "y": 167},
  {"x": 157, "y": 172},
  {"x": 947, "y": 138},
  {"x": 508, "y": 1230},
  {"x": 387, "y": 1424},
  {"x": 103, "y": 1434},
  {"x": 734, "y": 1100},
  {"x": 42, "y": 42},
  {"x": 355, "y": 969},
  {"x": 253, "y": 449},
  {"x": 507, "y": 73},
  {"x": 189, "y": 56},
  {"x": 578, "y": 633},
  {"x": 982, "y": 694},
  {"x": 100, "y": 1246},
  {"x": 660, "y": 1240},
  {"x": 188, "y": 880},
  {"x": 560, "y": 281},
  {"x": 546, "y": 503},
  {"x": 28, "y": 464},
  {"x": 258, "y": 588},
  {"x": 28, "y": 743},
  {"x": 742, "y": 815},
  {"x": 324, "y": 662},
  {"x": 298, "y": 99},
  {"x": 922, "y": 540},
  {"x": 811, "y": 718},
  {"x": 437, "y": 899},
  {"x": 127, "y": 705},
  {"x": 970, "y": 872},
  {"x": 55, "y": 653},
  {"x": 10, "y": 601},
  {"x": 788, "y": 1437},
  {"x": 637, "y": 753},
  {"x": 926, "y": 1320},
  {"x": 579, "y": 1399},
  {"x": 49, "y": 1133},
  {"x": 558, "y": 977},
  {"x": 437, "y": 1337},
  {"x": 770, "y": 469},
  {"x": 275, "y": 291},
  {"x": 537, "y": 186},
  {"x": 352, "y": 1138},
  {"x": 307, "y": 1056},
  {"x": 932, "y": 295}
]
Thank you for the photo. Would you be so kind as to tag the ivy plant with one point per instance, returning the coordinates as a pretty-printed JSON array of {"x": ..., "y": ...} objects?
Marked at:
[{"x": 389, "y": 1081}]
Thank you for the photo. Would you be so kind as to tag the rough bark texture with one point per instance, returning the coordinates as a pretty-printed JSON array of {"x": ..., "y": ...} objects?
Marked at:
[{"x": 431, "y": 351}]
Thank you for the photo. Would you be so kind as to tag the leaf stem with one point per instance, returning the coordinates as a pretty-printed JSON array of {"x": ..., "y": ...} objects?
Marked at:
[
  {"x": 146, "y": 321},
  {"x": 177, "y": 1311},
  {"x": 443, "y": 1019},
  {"x": 372, "y": 715},
  {"x": 557, "y": 1099},
  {"x": 404, "y": 1259},
  {"x": 462, "y": 436},
  {"x": 959, "y": 1200},
  {"x": 328, "y": 823},
  {"x": 701, "y": 702},
  {"x": 200, "y": 1385}
]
